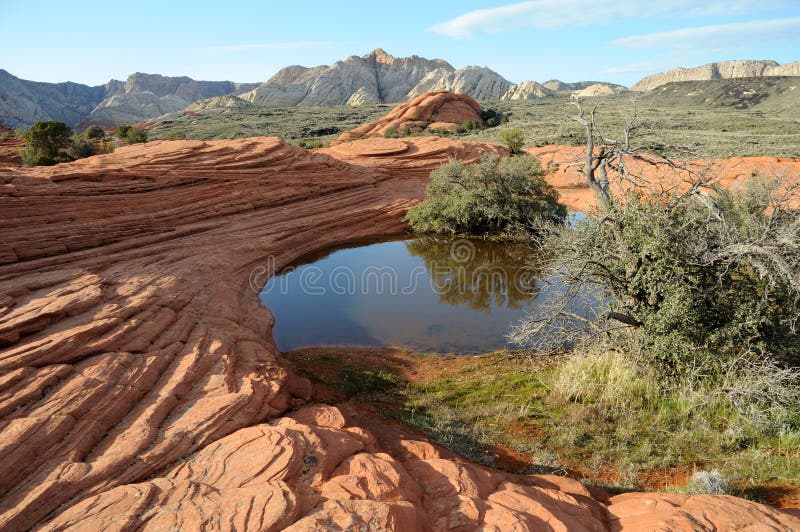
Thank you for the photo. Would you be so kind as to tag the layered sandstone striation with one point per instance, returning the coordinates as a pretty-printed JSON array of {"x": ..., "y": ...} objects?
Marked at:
[
  {"x": 10, "y": 146},
  {"x": 434, "y": 110},
  {"x": 140, "y": 387}
]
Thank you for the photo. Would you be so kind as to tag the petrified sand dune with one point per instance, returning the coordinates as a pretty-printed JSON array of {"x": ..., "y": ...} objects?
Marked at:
[
  {"x": 437, "y": 110},
  {"x": 140, "y": 387},
  {"x": 407, "y": 158}
]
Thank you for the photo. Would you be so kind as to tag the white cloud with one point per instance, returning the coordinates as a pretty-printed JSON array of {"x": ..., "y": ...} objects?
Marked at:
[
  {"x": 719, "y": 35},
  {"x": 554, "y": 14},
  {"x": 292, "y": 45}
]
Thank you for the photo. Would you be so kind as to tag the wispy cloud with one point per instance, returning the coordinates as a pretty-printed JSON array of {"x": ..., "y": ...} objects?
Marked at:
[
  {"x": 718, "y": 35},
  {"x": 555, "y": 14},
  {"x": 290, "y": 45}
]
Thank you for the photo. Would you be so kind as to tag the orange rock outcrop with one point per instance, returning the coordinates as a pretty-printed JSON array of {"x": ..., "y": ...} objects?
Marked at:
[
  {"x": 140, "y": 387},
  {"x": 435, "y": 110},
  {"x": 9, "y": 147},
  {"x": 562, "y": 173}
]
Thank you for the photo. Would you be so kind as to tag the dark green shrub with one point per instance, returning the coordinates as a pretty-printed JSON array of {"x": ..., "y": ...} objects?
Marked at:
[
  {"x": 311, "y": 144},
  {"x": 493, "y": 118},
  {"x": 501, "y": 197},
  {"x": 470, "y": 125},
  {"x": 176, "y": 135},
  {"x": 391, "y": 133},
  {"x": 94, "y": 132},
  {"x": 81, "y": 148},
  {"x": 105, "y": 146},
  {"x": 514, "y": 140},
  {"x": 32, "y": 157},
  {"x": 121, "y": 132},
  {"x": 699, "y": 281},
  {"x": 43, "y": 143},
  {"x": 406, "y": 132},
  {"x": 134, "y": 136}
]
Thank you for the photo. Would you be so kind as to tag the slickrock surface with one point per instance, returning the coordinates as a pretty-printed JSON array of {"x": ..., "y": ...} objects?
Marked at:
[
  {"x": 409, "y": 157},
  {"x": 140, "y": 387},
  {"x": 438, "y": 109},
  {"x": 9, "y": 148}
]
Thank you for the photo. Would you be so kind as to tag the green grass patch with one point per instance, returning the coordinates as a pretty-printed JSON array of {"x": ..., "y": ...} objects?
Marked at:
[{"x": 493, "y": 406}]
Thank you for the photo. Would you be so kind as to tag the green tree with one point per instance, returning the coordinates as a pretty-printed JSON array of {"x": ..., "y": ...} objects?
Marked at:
[
  {"x": 121, "y": 132},
  {"x": 134, "y": 136},
  {"x": 94, "y": 132},
  {"x": 81, "y": 148},
  {"x": 44, "y": 142},
  {"x": 514, "y": 140},
  {"x": 505, "y": 197}
]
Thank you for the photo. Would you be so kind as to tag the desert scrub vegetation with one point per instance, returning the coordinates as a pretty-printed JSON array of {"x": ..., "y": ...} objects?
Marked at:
[
  {"x": 680, "y": 127},
  {"x": 678, "y": 307},
  {"x": 598, "y": 416},
  {"x": 697, "y": 278},
  {"x": 668, "y": 338},
  {"x": 44, "y": 143},
  {"x": 513, "y": 139},
  {"x": 48, "y": 143},
  {"x": 130, "y": 134},
  {"x": 293, "y": 124},
  {"x": 499, "y": 197}
]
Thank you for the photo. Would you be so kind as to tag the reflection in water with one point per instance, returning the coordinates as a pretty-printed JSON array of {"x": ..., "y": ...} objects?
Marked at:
[
  {"x": 427, "y": 294},
  {"x": 480, "y": 274}
]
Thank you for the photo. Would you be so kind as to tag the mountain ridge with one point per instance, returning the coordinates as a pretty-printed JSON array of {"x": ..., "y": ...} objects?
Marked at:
[
  {"x": 360, "y": 80},
  {"x": 739, "y": 68},
  {"x": 374, "y": 78},
  {"x": 139, "y": 97}
]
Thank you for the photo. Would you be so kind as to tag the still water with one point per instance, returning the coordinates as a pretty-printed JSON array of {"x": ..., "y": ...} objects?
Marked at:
[{"x": 427, "y": 294}]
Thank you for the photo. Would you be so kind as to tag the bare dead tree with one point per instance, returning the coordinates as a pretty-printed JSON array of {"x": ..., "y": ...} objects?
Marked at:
[
  {"x": 601, "y": 255},
  {"x": 606, "y": 156}
]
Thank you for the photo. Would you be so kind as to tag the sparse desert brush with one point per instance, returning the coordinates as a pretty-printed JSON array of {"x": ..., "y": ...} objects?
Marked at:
[
  {"x": 514, "y": 140},
  {"x": 606, "y": 377},
  {"x": 81, "y": 148},
  {"x": 698, "y": 280},
  {"x": 709, "y": 482}
]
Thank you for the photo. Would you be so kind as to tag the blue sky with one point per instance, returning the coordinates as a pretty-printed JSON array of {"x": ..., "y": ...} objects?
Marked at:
[{"x": 612, "y": 40}]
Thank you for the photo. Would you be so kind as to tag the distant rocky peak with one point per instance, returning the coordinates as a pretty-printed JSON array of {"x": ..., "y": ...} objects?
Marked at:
[{"x": 379, "y": 55}]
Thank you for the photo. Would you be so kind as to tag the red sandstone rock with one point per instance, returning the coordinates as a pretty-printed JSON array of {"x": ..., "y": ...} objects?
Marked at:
[
  {"x": 9, "y": 147},
  {"x": 140, "y": 388},
  {"x": 558, "y": 162},
  {"x": 437, "y": 109}
]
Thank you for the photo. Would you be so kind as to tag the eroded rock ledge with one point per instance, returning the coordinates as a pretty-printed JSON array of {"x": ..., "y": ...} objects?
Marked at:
[{"x": 140, "y": 387}]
